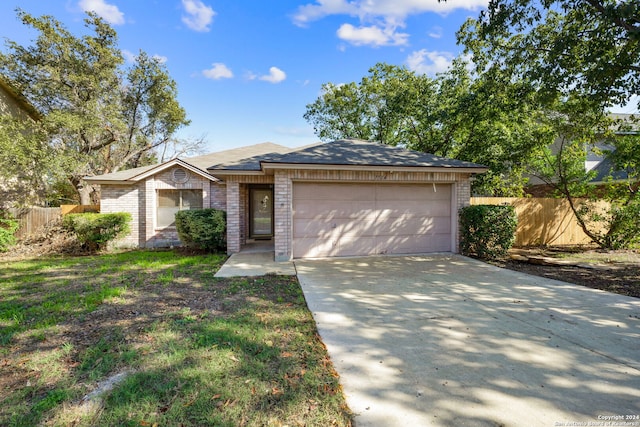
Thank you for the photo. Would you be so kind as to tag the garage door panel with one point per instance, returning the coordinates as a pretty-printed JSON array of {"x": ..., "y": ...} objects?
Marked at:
[
  {"x": 333, "y": 228},
  {"x": 313, "y": 228},
  {"x": 362, "y": 219},
  {"x": 415, "y": 209},
  {"x": 415, "y": 192},
  {"x": 334, "y": 209},
  {"x": 414, "y": 226},
  {"x": 317, "y": 192}
]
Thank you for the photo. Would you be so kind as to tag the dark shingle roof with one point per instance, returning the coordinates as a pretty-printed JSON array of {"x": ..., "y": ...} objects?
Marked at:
[
  {"x": 606, "y": 170},
  {"x": 348, "y": 153}
]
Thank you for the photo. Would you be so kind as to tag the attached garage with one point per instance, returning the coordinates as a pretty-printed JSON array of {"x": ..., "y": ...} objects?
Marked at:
[
  {"x": 348, "y": 219},
  {"x": 347, "y": 198}
]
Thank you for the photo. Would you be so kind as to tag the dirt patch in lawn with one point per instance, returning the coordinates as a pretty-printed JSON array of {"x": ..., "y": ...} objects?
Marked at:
[
  {"x": 611, "y": 271},
  {"x": 50, "y": 239}
]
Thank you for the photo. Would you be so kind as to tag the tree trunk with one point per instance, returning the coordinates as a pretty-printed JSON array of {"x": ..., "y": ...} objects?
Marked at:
[
  {"x": 85, "y": 194},
  {"x": 83, "y": 189}
]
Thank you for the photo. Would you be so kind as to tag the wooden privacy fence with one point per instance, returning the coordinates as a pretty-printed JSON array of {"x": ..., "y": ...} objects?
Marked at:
[
  {"x": 68, "y": 209},
  {"x": 33, "y": 219},
  {"x": 542, "y": 221}
]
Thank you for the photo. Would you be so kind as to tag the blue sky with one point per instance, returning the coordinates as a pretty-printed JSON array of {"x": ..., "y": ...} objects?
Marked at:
[{"x": 246, "y": 69}]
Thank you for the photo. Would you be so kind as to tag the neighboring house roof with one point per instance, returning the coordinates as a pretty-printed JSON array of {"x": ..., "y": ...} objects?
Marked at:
[
  {"x": 20, "y": 100},
  {"x": 197, "y": 164},
  {"x": 606, "y": 171},
  {"x": 345, "y": 153}
]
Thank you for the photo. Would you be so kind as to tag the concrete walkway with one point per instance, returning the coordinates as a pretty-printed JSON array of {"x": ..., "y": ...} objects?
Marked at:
[
  {"x": 445, "y": 340},
  {"x": 255, "y": 264}
]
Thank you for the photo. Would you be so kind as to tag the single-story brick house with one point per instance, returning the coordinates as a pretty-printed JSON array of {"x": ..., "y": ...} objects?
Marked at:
[{"x": 339, "y": 198}]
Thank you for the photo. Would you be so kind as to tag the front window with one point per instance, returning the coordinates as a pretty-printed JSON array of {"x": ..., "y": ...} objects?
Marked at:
[{"x": 172, "y": 201}]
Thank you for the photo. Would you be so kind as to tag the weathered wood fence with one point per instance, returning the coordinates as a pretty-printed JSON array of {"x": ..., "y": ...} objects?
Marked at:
[
  {"x": 541, "y": 221},
  {"x": 67, "y": 209},
  {"x": 33, "y": 219}
]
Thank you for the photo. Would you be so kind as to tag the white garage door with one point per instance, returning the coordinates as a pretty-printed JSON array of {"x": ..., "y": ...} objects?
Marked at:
[{"x": 367, "y": 219}]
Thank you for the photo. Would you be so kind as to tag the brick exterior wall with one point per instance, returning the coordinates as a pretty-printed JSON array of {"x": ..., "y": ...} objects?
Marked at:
[
  {"x": 140, "y": 200},
  {"x": 283, "y": 181},
  {"x": 233, "y": 217},
  {"x": 237, "y": 203},
  {"x": 218, "y": 196},
  {"x": 283, "y": 212},
  {"x": 125, "y": 198}
]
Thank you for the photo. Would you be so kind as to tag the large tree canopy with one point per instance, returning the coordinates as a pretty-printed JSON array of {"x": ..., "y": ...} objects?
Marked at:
[
  {"x": 488, "y": 121},
  {"x": 580, "y": 57},
  {"x": 98, "y": 116},
  {"x": 591, "y": 47}
]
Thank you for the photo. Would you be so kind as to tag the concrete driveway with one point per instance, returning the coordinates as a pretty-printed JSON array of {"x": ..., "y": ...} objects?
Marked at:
[{"x": 445, "y": 340}]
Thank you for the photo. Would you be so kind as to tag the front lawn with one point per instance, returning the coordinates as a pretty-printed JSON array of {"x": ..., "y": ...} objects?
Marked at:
[{"x": 151, "y": 338}]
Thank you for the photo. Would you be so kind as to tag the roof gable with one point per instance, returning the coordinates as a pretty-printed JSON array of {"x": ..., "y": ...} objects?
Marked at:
[
  {"x": 197, "y": 164},
  {"x": 130, "y": 176}
]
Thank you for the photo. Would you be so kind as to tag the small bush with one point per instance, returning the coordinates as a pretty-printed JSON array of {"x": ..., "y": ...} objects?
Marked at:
[
  {"x": 487, "y": 231},
  {"x": 96, "y": 230},
  {"x": 8, "y": 228},
  {"x": 202, "y": 229},
  {"x": 615, "y": 227}
]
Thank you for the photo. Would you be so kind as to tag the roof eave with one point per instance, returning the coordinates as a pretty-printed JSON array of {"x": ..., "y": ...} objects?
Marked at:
[
  {"x": 90, "y": 180},
  {"x": 171, "y": 163},
  {"x": 228, "y": 172},
  {"x": 146, "y": 174},
  {"x": 269, "y": 167}
]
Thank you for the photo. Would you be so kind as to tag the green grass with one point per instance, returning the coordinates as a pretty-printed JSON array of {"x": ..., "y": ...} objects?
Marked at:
[{"x": 198, "y": 350}]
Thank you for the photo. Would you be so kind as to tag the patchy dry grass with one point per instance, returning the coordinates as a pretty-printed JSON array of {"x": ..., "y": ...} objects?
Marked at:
[{"x": 166, "y": 342}]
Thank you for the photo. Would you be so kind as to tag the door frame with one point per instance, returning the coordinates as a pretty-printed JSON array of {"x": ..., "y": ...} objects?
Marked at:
[{"x": 252, "y": 188}]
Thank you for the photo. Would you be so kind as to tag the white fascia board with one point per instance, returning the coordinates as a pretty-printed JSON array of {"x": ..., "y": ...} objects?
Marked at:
[{"x": 169, "y": 164}]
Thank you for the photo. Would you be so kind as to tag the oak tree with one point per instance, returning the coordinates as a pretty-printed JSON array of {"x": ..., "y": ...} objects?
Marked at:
[
  {"x": 99, "y": 115},
  {"x": 454, "y": 114}
]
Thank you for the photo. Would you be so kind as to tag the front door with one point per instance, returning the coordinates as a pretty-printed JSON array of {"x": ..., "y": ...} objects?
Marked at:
[{"x": 260, "y": 213}]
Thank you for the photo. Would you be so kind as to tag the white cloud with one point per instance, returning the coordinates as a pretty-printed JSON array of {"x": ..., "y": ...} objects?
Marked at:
[
  {"x": 379, "y": 19},
  {"x": 218, "y": 71},
  {"x": 199, "y": 15},
  {"x": 160, "y": 58},
  {"x": 108, "y": 12},
  {"x": 389, "y": 9},
  {"x": 312, "y": 12},
  {"x": 436, "y": 32},
  {"x": 129, "y": 56},
  {"x": 276, "y": 75},
  {"x": 429, "y": 62},
  {"x": 373, "y": 35}
]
